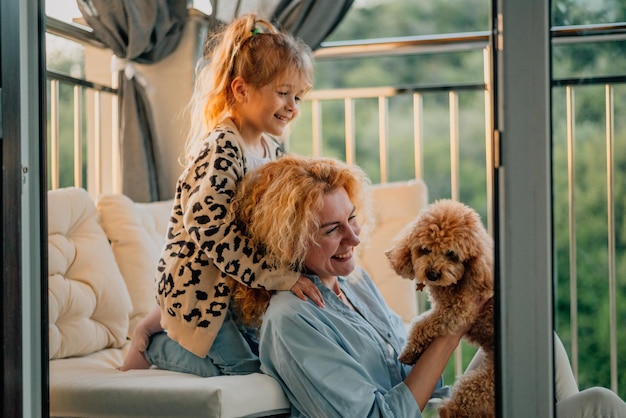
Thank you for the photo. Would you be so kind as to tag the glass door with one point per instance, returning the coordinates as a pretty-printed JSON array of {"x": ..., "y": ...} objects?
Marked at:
[{"x": 23, "y": 228}]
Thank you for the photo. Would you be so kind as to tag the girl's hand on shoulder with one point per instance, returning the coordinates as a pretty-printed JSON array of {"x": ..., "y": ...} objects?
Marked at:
[{"x": 304, "y": 288}]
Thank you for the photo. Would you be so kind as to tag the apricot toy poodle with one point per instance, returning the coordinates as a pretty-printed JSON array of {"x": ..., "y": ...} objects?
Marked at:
[{"x": 447, "y": 250}]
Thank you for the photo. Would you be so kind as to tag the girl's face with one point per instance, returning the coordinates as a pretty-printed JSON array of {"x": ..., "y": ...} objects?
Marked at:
[
  {"x": 332, "y": 252},
  {"x": 270, "y": 108}
]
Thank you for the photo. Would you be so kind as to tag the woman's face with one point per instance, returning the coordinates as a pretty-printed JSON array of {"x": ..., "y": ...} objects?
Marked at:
[{"x": 332, "y": 253}]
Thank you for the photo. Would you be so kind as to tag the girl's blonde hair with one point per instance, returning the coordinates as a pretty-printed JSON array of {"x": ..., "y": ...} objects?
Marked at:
[
  {"x": 279, "y": 204},
  {"x": 250, "y": 48}
]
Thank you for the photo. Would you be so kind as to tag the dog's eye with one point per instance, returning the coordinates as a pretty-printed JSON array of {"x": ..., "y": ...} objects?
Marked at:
[
  {"x": 451, "y": 255},
  {"x": 424, "y": 251}
]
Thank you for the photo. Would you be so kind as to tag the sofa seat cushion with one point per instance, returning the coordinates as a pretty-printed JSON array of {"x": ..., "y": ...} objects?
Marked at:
[
  {"x": 88, "y": 304},
  {"x": 91, "y": 386}
]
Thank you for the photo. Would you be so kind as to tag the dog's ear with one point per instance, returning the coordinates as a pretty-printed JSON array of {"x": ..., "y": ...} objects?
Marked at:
[
  {"x": 401, "y": 258},
  {"x": 481, "y": 266},
  {"x": 480, "y": 273}
]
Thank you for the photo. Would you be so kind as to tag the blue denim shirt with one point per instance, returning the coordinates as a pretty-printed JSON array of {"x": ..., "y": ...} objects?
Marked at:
[{"x": 335, "y": 361}]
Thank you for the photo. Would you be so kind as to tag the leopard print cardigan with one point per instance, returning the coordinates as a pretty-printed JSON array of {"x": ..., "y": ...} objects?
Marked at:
[{"x": 203, "y": 254}]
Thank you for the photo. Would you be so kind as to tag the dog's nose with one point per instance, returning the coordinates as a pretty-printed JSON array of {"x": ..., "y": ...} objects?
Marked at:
[{"x": 433, "y": 275}]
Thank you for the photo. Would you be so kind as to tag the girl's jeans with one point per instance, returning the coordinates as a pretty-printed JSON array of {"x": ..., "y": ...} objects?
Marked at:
[{"x": 230, "y": 354}]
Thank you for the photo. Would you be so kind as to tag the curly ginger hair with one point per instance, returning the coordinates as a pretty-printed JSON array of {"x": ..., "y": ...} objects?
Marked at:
[{"x": 279, "y": 205}]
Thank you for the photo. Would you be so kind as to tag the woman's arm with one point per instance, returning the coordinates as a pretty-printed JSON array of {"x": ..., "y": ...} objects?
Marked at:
[
  {"x": 426, "y": 372},
  {"x": 212, "y": 183}
]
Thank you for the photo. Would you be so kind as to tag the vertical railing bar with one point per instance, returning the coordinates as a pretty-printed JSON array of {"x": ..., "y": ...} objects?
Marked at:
[
  {"x": 78, "y": 138},
  {"x": 571, "y": 182},
  {"x": 97, "y": 170},
  {"x": 489, "y": 128},
  {"x": 54, "y": 134},
  {"x": 610, "y": 171},
  {"x": 418, "y": 147},
  {"x": 350, "y": 134},
  {"x": 383, "y": 134},
  {"x": 454, "y": 145},
  {"x": 454, "y": 187},
  {"x": 316, "y": 120},
  {"x": 418, "y": 134},
  {"x": 116, "y": 152}
]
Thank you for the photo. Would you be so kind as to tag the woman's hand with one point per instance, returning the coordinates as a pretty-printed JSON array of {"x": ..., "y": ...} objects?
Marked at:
[
  {"x": 304, "y": 288},
  {"x": 478, "y": 308}
]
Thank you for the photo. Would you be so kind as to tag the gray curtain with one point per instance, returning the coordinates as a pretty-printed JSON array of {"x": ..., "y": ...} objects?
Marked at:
[
  {"x": 141, "y": 31},
  {"x": 310, "y": 20}
]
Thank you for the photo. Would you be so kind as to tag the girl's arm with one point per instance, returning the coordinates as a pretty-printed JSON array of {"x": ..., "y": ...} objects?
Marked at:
[{"x": 212, "y": 184}]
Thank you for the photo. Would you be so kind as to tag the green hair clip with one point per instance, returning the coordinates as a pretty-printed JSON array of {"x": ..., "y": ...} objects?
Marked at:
[{"x": 255, "y": 31}]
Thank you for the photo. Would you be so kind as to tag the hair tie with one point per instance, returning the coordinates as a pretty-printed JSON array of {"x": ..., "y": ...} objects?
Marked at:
[{"x": 255, "y": 31}]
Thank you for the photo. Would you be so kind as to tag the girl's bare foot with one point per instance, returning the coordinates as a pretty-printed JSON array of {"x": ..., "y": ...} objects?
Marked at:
[{"x": 134, "y": 360}]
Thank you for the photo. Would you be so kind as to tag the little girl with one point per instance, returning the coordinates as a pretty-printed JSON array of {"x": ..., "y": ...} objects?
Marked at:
[{"x": 243, "y": 100}]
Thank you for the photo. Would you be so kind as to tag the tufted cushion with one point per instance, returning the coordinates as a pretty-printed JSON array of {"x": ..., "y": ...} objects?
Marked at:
[
  {"x": 395, "y": 205},
  {"x": 137, "y": 234},
  {"x": 87, "y": 298}
]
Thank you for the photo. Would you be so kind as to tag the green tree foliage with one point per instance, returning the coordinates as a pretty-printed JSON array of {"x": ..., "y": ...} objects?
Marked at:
[{"x": 408, "y": 18}]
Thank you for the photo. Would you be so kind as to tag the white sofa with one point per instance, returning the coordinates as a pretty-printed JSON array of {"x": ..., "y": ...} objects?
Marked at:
[{"x": 102, "y": 257}]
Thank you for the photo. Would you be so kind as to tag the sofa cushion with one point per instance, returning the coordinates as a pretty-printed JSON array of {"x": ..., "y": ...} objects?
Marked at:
[
  {"x": 394, "y": 205},
  {"x": 91, "y": 386},
  {"x": 137, "y": 235},
  {"x": 88, "y": 304}
]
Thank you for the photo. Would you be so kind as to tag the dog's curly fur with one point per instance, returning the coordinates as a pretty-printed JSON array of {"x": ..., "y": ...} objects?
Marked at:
[{"x": 447, "y": 250}]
